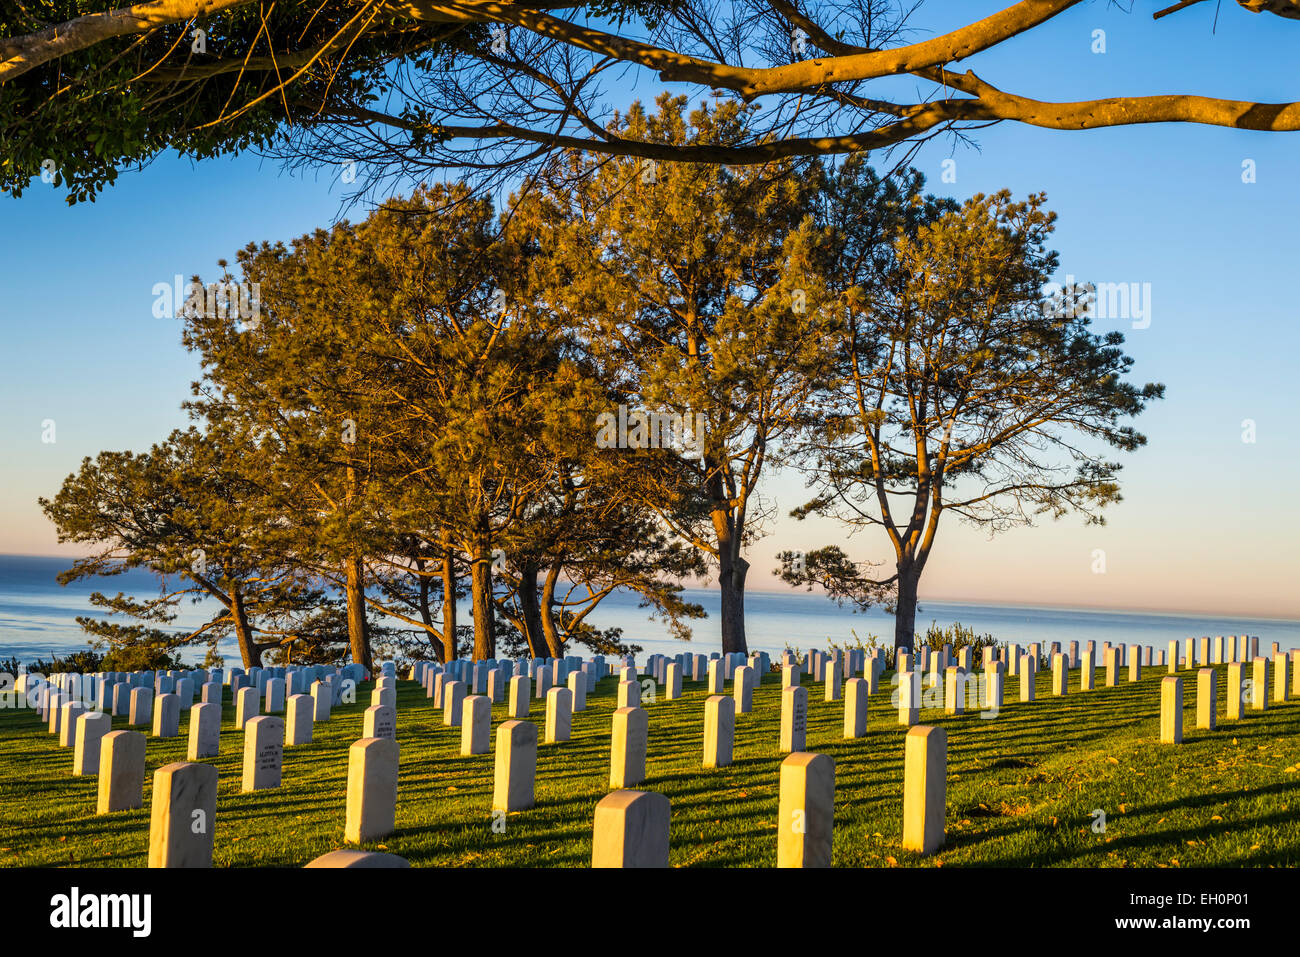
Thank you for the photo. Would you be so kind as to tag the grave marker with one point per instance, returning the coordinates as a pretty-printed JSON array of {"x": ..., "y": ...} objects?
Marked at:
[
  {"x": 121, "y": 771},
  {"x": 205, "y": 731},
  {"x": 629, "y": 694},
  {"x": 834, "y": 676},
  {"x": 1088, "y": 671},
  {"x": 1281, "y": 677},
  {"x": 183, "y": 814},
  {"x": 806, "y": 811},
  {"x": 993, "y": 686},
  {"x": 71, "y": 712},
  {"x": 1236, "y": 690},
  {"x": 453, "y": 703},
  {"x": 1171, "y": 710},
  {"x": 715, "y": 677},
  {"x": 794, "y": 718},
  {"x": 631, "y": 830},
  {"x": 322, "y": 698},
  {"x": 1026, "y": 678},
  {"x": 856, "y": 699},
  {"x": 954, "y": 690},
  {"x": 1259, "y": 686},
  {"x": 909, "y": 698},
  {"x": 167, "y": 716},
  {"x": 516, "y": 766},
  {"x": 496, "y": 685},
  {"x": 742, "y": 689},
  {"x": 719, "y": 730},
  {"x": 559, "y": 715},
  {"x": 628, "y": 747},
  {"x": 91, "y": 728},
  {"x": 274, "y": 702},
  {"x": 247, "y": 702},
  {"x": 519, "y": 697},
  {"x": 299, "y": 715},
  {"x": 1207, "y": 698},
  {"x": 925, "y": 785},
  {"x": 141, "y": 707},
  {"x": 372, "y": 789},
  {"x": 379, "y": 721},
  {"x": 263, "y": 752},
  {"x": 578, "y": 688}
]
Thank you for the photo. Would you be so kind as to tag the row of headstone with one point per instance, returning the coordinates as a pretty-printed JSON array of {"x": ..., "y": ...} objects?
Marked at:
[
  {"x": 632, "y": 828},
  {"x": 1277, "y": 678}
]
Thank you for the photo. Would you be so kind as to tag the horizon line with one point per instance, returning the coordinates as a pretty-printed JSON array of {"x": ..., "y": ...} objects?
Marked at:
[{"x": 697, "y": 585}]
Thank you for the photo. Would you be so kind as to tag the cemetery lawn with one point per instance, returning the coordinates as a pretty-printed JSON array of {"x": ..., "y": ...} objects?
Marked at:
[{"x": 1023, "y": 788}]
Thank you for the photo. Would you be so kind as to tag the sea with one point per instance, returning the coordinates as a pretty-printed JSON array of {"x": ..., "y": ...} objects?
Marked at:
[{"x": 38, "y": 619}]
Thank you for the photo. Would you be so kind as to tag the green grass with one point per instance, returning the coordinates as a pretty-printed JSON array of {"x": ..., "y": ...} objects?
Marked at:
[{"x": 1021, "y": 787}]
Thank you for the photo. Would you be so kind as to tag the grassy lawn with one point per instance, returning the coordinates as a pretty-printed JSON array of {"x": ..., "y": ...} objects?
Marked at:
[{"x": 1021, "y": 787}]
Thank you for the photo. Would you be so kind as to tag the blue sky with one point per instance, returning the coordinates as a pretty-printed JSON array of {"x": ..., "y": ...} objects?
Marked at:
[{"x": 1206, "y": 524}]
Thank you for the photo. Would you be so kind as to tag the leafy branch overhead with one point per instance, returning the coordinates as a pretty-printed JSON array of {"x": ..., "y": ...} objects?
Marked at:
[{"x": 410, "y": 86}]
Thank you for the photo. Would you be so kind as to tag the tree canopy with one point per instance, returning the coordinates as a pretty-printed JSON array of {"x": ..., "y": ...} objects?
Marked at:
[
  {"x": 960, "y": 388},
  {"x": 410, "y": 86}
]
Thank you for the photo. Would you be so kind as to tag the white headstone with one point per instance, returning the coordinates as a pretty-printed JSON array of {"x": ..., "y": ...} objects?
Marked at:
[
  {"x": 263, "y": 752},
  {"x": 205, "y": 731},
  {"x": 183, "y": 815},
  {"x": 372, "y": 790}
]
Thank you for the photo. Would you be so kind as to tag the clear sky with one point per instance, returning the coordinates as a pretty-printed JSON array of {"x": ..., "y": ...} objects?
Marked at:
[{"x": 1207, "y": 523}]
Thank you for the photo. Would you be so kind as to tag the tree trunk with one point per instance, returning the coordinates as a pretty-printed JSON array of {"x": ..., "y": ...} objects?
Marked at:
[
  {"x": 731, "y": 586},
  {"x": 358, "y": 637},
  {"x": 531, "y": 611},
  {"x": 448, "y": 605},
  {"x": 248, "y": 649},
  {"x": 425, "y": 586},
  {"x": 909, "y": 576},
  {"x": 481, "y": 592},
  {"x": 553, "y": 639},
  {"x": 729, "y": 530}
]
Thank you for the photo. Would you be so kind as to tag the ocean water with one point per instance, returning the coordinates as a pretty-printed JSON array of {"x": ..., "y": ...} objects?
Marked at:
[{"x": 38, "y": 618}]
